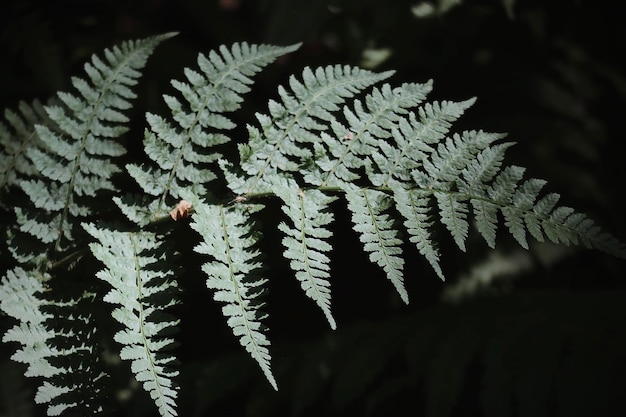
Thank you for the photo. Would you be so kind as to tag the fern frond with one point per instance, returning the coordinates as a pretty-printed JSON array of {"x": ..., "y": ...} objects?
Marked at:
[
  {"x": 142, "y": 290},
  {"x": 183, "y": 149},
  {"x": 72, "y": 157},
  {"x": 334, "y": 130},
  {"x": 285, "y": 140},
  {"x": 305, "y": 240},
  {"x": 378, "y": 232},
  {"x": 77, "y": 162},
  {"x": 228, "y": 236}
]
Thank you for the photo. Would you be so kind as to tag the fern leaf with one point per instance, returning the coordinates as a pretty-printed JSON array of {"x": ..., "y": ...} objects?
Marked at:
[
  {"x": 378, "y": 233},
  {"x": 435, "y": 119},
  {"x": 385, "y": 150},
  {"x": 184, "y": 149},
  {"x": 305, "y": 241},
  {"x": 454, "y": 215},
  {"x": 75, "y": 163},
  {"x": 414, "y": 207},
  {"x": 284, "y": 141},
  {"x": 486, "y": 215},
  {"x": 228, "y": 237},
  {"x": 484, "y": 167},
  {"x": 562, "y": 225},
  {"x": 139, "y": 290}
]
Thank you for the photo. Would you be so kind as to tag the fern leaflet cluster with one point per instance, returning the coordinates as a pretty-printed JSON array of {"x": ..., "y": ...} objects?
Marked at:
[
  {"x": 141, "y": 289},
  {"x": 19, "y": 300},
  {"x": 305, "y": 240},
  {"x": 228, "y": 237}
]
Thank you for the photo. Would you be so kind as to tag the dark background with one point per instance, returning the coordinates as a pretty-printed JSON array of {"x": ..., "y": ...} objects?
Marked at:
[{"x": 546, "y": 338}]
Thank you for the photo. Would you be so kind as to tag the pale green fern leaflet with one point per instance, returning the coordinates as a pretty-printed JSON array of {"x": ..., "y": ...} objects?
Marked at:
[
  {"x": 142, "y": 290},
  {"x": 413, "y": 138},
  {"x": 19, "y": 299},
  {"x": 229, "y": 239},
  {"x": 414, "y": 206},
  {"x": 378, "y": 232},
  {"x": 305, "y": 240}
]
